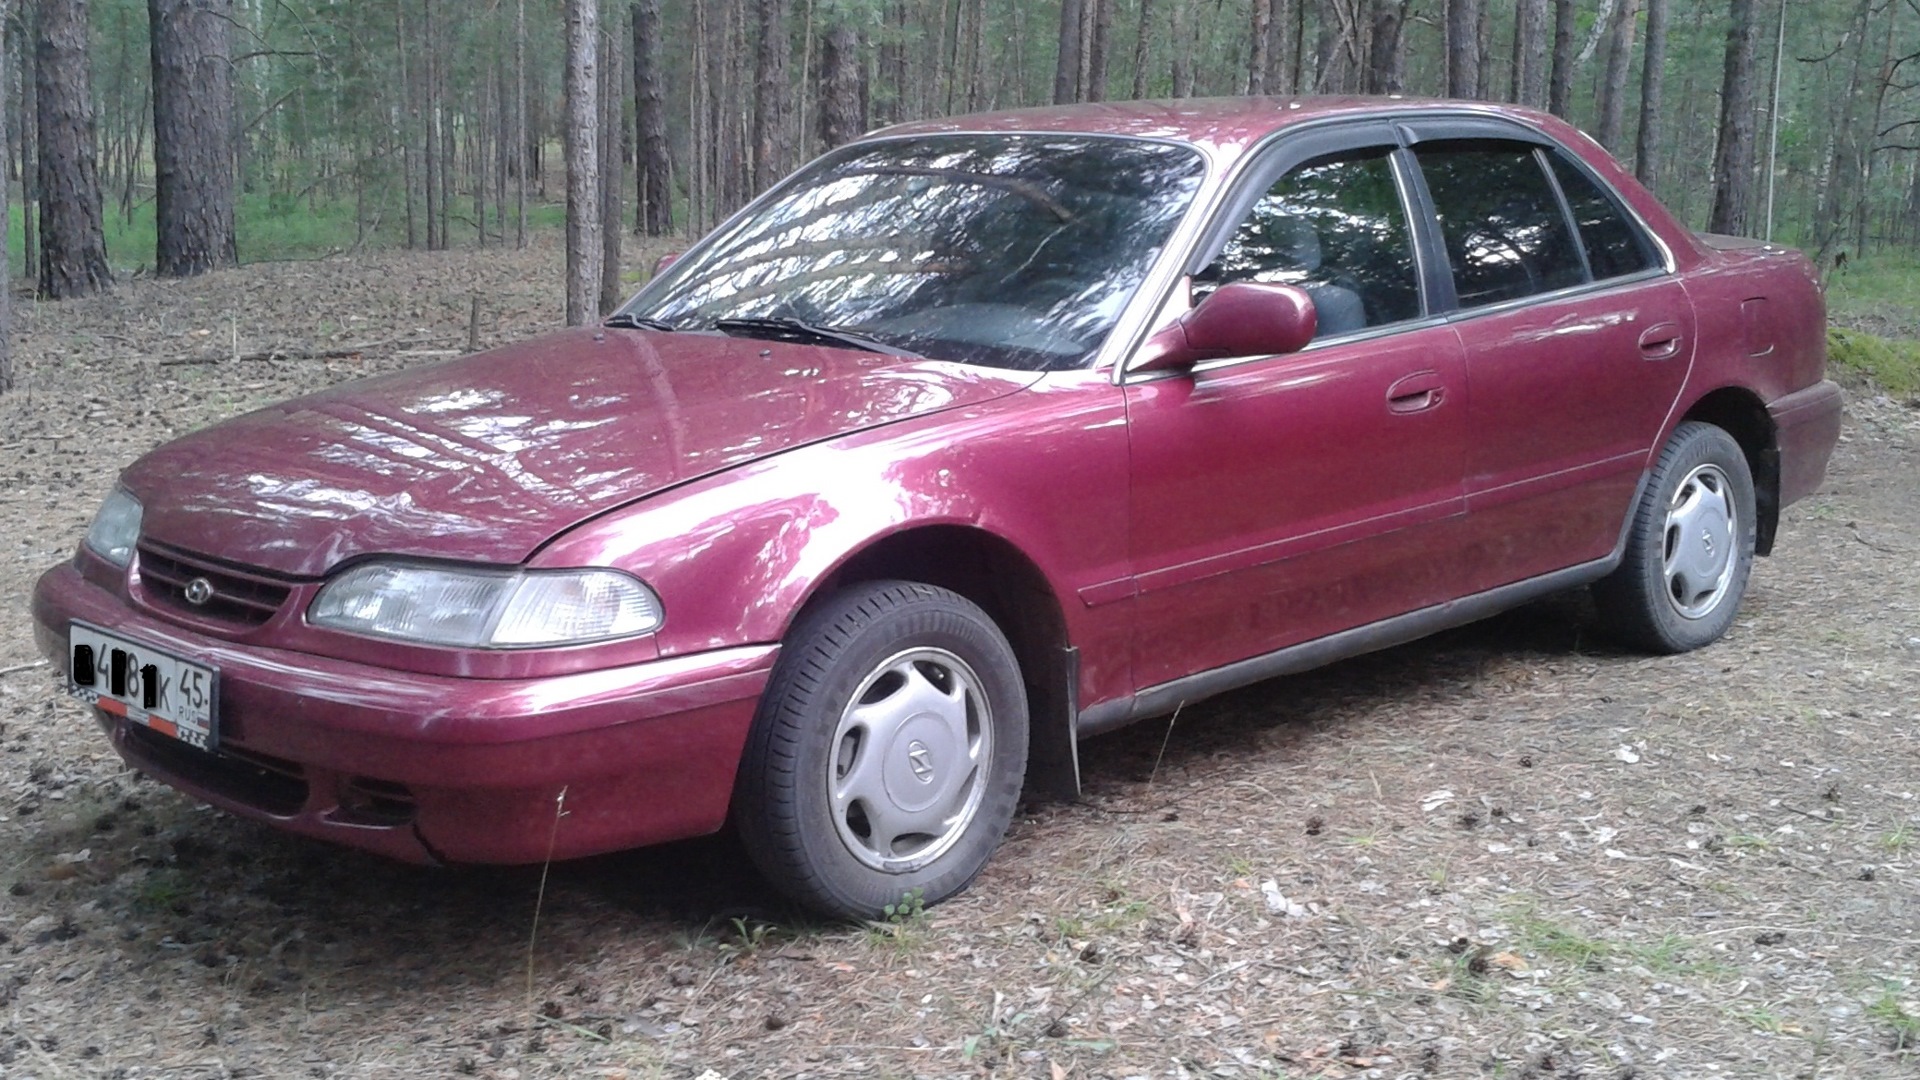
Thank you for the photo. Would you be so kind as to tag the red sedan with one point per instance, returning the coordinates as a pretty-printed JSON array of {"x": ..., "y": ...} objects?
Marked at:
[{"x": 968, "y": 441}]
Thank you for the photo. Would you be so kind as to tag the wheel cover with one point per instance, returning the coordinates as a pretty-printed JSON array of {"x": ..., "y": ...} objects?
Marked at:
[
  {"x": 910, "y": 759},
  {"x": 1699, "y": 556}
]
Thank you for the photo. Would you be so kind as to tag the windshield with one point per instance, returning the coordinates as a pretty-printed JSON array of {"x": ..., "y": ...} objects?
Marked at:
[{"x": 1015, "y": 251}]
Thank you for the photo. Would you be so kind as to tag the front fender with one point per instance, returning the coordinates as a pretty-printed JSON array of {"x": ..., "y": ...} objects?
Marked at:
[{"x": 734, "y": 557}]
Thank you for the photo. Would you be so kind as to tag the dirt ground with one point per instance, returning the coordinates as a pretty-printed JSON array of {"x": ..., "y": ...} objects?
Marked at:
[{"x": 1511, "y": 850}]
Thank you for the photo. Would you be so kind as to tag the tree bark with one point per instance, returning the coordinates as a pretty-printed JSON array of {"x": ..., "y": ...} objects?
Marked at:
[
  {"x": 1102, "y": 33},
  {"x": 1262, "y": 45},
  {"x": 1386, "y": 63},
  {"x": 770, "y": 96},
  {"x": 6, "y": 212},
  {"x": 650, "y": 122},
  {"x": 613, "y": 173},
  {"x": 840, "y": 121},
  {"x": 1463, "y": 48},
  {"x": 73, "y": 251},
  {"x": 1613, "y": 84},
  {"x": 192, "y": 136},
  {"x": 1646, "y": 149},
  {"x": 1560, "y": 86},
  {"x": 1066, "y": 69},
  {"x": 1182, "y": 51},
  {"x": 520, "y": 162},
  {"x": 1141, "y": 46},
  {"x": 584, "y": 254},
  {"x": 1733, "y": 155},
  {"x": 1530, "y": 54}
]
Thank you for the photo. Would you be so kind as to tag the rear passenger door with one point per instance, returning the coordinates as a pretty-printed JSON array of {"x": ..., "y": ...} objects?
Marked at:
[{"x": 1577, "y": 342}]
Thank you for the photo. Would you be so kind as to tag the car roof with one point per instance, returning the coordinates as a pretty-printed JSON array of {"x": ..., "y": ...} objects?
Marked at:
[{"x": 1227, "y": 125}]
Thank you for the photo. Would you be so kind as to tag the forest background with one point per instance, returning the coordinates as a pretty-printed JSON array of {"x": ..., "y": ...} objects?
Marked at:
[{"x": 175, "y": 136}]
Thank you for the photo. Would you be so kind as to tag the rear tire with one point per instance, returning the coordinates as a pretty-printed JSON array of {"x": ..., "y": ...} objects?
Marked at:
[
  {"x": 888, "y": 754},
  {"x": 1689, "y": 547}
]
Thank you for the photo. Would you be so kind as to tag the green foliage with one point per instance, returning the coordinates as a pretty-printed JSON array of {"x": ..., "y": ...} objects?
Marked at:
[
  {"x": 911, "y": 907},
  {"x": 1894, "y": 366},
  {"x": 1905, "y": 1026}
]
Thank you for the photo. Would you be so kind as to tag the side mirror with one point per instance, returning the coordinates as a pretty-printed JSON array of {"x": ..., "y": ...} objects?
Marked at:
[
  {"x": 660, "y": 264},
  {"x": 1243, "y": 318}
]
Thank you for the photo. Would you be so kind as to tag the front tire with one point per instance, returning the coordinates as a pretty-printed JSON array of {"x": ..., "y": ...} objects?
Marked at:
[
  {"x": 888, "y": 753},
  {"x": 1689, "y": 547}
]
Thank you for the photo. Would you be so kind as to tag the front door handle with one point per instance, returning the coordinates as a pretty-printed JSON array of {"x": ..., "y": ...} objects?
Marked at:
[
  {"x": 1661, "y": 342},
  {"x": 1417, "y": 392}
]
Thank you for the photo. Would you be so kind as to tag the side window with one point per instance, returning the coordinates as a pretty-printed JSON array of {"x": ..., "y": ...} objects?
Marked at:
[
  {"x": 1501, "y": 219},
  {"x": 1615, "y": 245},
  {"x": 1335, "y": 227}
]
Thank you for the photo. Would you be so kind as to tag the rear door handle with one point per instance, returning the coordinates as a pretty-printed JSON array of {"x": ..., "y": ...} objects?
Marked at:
[
  {"x": 1417, "y": 392},
  {"x": 1660, "y": 342}
]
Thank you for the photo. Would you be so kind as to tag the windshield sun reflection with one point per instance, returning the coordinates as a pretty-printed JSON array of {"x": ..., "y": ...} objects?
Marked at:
[{"x": 1015, "y": 251}]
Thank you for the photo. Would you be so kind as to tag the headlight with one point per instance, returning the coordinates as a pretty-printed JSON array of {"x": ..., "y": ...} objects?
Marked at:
[
  {"x": 115, "y": 528},
  {"x": 438, "y": 605}
]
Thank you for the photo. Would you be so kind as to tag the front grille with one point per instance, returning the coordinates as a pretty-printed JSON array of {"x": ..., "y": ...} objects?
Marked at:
[
  {"x": 267, "y": 783},
  {"x": 239, "y": 596}
]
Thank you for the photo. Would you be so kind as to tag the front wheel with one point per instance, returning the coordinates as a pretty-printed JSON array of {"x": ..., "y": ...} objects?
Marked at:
[
  {"x": 1689, "y": 546},
  {"x": 888, "y": 754}
]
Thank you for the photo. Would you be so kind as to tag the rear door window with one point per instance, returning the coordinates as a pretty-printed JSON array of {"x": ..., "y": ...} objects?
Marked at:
[
  {"x": 1501, "y": 219},
  {"x": 1615, "y": 245}
]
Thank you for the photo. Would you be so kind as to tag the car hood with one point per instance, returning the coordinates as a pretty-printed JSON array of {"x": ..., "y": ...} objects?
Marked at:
[{"x": 489, "y": 456}]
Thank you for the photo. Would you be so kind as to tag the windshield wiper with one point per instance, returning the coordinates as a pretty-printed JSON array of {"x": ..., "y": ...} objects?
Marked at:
[
  {"x": 625, "y": 321},
  {"x": 783, "y": 328}
]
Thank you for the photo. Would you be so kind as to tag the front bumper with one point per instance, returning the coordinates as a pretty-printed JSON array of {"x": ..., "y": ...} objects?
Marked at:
[{"x": 435, "y": 768}]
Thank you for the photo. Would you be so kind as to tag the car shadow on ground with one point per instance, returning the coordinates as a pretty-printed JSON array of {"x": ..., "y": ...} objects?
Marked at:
[{"x": 356, "y": 913}]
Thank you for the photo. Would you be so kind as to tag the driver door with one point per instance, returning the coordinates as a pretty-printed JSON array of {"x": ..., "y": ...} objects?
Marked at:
[{"x": 1276, "y": 499}]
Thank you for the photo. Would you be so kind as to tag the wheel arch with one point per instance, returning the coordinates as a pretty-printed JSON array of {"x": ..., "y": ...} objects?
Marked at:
[
  {"x": 1740, "y": 413},
  {"x": 1010, "y": 587}
]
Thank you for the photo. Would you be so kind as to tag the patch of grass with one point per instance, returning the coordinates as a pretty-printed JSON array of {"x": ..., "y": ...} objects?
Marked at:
[
  {"x": 270, "y": 227},
  {"x": 1876, "y": 291},
  {"x": 1899, "y": 839},
  {"x": 1906, "y": 1027},
  {"x": 1894, "y": 366},
  {"x": 1764, "y": 1020}
]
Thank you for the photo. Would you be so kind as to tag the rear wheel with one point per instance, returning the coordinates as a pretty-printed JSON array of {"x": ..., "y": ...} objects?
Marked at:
[
  {"x": 1689, "y": 546},
  {"x": 888, "y": 753}
]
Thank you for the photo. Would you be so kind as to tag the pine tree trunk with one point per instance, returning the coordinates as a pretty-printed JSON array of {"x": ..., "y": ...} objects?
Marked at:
[
  {"x": 1613, "y": 84},
  {"x": 840, "y": 86},
  {"x": 1102, "y": 16},
  {"x": 1646, "y": 150},
  {"x": 650, "y": 119},
  {"x": 520, "y": 124},
  {"x": 1066, "y": 70},
  {"x": 1530, "y": 54},
  {"x": 6, "y": 212},
  {"x": 613, "y": 177},
  {"x": 192, "y": 136},
  {"x": 1282, "y": 74},
  {"x": 1463, "y": 48},
  {"x": 1560, "y": 87},
  {"x": 1386, "y": 65},
  {"x": 1142, "y": 50},
  {"x": 1182, "y": 52},
  {"x": 770, "y": 96},
  {"x": 73, "y": 252},
  {"x": 1733, "y": 156},
  {"x": 1262, "y": 47},
  {"x": 583, "y": 159}
]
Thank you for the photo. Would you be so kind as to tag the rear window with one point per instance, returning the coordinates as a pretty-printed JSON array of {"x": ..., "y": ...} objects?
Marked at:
[{"x": 1505, "y": 231}]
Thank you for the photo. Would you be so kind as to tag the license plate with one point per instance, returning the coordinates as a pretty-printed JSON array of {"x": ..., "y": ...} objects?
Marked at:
[{"x": 144, "y": 684}]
